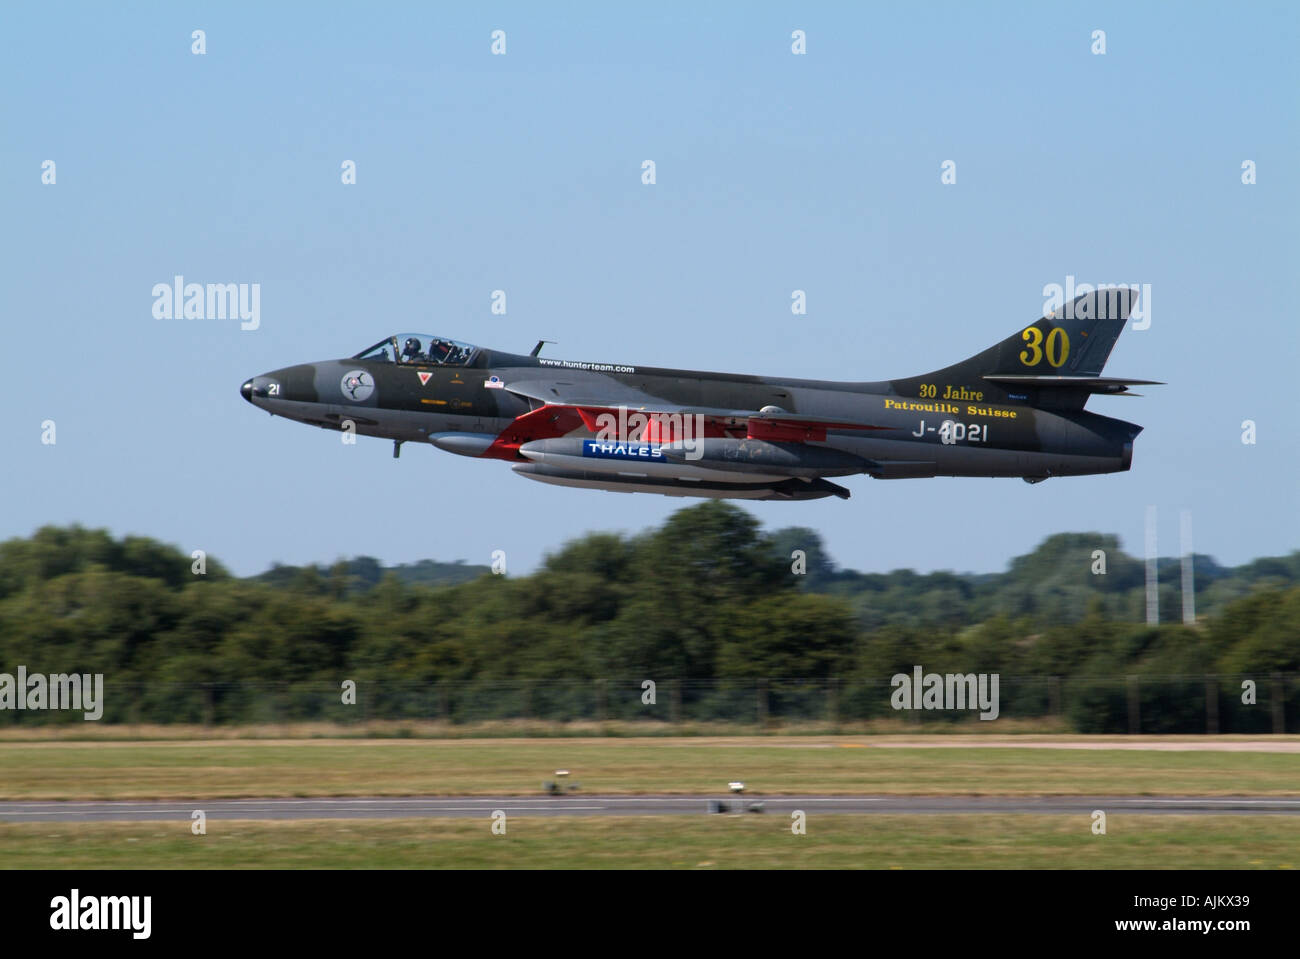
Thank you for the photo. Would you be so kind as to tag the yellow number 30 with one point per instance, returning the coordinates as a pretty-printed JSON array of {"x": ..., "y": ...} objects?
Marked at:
[{"x": 1058, "y": 347}]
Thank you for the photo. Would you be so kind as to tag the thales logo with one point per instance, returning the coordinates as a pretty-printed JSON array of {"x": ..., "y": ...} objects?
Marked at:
[{"x": 621, "y": 451}]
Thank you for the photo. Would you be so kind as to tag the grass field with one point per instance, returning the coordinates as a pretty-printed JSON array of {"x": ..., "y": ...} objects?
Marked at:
[
  {"x": 670, "y": 842},
  {"x": 691, "y": 766}
]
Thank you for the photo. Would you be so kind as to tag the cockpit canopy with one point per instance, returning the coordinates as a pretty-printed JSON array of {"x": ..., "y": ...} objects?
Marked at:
[{"x": 421, "y": 349}]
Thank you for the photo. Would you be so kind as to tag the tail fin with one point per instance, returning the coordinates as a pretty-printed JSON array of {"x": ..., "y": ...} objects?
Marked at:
[{"x": 1055, "y": 362}]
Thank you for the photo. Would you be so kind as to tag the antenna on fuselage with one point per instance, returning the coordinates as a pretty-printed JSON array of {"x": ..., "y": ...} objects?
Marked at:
[{"x": 538, "y": 348}]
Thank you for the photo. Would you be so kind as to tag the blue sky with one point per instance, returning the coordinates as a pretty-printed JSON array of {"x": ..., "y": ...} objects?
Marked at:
[{"x": 523, "y": 173}]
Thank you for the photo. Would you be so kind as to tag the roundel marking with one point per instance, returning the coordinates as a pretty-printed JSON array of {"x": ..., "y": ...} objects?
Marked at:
[{"x": 357, "y": 385}]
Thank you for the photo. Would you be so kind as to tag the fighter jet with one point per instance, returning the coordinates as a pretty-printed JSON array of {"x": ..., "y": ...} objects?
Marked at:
[{"x": 1014, "y": 410}]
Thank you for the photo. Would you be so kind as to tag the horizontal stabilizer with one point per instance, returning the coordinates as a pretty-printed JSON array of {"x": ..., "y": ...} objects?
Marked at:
[{"x": 1085, "y": 384}]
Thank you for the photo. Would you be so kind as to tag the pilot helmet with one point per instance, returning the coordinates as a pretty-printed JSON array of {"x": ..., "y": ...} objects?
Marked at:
[{"x": 411, "y": 347}]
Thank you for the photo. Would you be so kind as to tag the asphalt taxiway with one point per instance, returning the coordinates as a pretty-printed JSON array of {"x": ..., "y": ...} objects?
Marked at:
[{"x": 579, "y": 805}]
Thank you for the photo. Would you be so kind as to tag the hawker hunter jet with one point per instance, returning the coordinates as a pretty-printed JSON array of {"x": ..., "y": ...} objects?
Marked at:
[{"x": 1016, "y": 409}]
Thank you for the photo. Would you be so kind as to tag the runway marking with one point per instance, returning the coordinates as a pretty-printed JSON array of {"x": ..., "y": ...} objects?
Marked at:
[{"x": 1210, "y": 802}]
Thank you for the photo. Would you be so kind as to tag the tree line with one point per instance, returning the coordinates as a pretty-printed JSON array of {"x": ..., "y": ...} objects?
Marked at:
[{"x": 708, "y": 603}]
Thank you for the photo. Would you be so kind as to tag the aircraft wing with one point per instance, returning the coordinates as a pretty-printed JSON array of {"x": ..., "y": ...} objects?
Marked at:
[
  {"x": 607, "y": 394},
  {"x": 590, "y": 400}
]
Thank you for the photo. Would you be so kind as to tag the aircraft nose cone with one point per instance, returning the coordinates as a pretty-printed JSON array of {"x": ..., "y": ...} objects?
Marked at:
[{"x": 246, "y": 391}]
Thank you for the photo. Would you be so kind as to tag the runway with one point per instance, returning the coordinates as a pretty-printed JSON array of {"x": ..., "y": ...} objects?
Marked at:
[{"x": 576, "y": 805}]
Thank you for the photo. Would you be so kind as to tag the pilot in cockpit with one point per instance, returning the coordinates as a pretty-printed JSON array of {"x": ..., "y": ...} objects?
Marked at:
[{"x": 411, "y": 351}]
